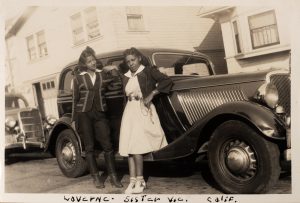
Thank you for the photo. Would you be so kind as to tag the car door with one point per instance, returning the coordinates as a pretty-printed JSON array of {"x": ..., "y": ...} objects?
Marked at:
[
  {"x": 180, "y": 67},
  {"x": 64, "y": 97}
]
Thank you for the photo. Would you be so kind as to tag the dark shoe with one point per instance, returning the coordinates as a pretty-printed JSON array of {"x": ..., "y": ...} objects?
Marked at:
[
  {"x": 114, "y": 181},
  {"x": 111, "y": 169},
  {"x": 97, "y": 181}
]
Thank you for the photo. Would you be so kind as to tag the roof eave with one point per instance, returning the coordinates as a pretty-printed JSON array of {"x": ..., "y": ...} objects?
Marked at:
[
  {"x": 20, "y": 21},
  {"x": 215, "y": 13}
]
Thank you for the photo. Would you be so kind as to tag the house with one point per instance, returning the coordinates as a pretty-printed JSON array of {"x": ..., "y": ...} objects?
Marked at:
[
  {"x": 254, "y": 37},
  {"x": 42, "y": 40}
]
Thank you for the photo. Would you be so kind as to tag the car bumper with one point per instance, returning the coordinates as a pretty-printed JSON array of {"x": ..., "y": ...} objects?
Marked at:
[
  {"x": 28, "y": 145},
  {"x": 11, "y": 142}
]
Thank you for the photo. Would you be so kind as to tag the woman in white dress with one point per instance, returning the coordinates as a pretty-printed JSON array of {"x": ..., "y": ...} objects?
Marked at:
[{"x": 140, "y": 131}]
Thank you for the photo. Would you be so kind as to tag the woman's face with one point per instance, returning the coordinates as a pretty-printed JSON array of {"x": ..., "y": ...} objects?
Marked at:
[
  {"x": 91, "y": 63},
  {"x": 133, "y": 62}
]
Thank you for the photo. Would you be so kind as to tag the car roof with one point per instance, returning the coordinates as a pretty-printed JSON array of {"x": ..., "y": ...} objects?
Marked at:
[
  {"x": 13, "y": 95},
  {"x": 145, "y": 51}
]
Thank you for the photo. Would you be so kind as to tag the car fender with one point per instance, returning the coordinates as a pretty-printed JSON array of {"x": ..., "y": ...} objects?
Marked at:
[
  {"x": 258, "y": 116},
  {"x": 62, "y": 124}
]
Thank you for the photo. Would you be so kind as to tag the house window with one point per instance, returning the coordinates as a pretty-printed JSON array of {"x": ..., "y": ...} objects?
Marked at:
[
  {"x": 48, "y": 85},
  {"x": 77, "y": 28},
  {"x": 135, "y": 22},
  {"x": 36, "y": 45},
  {"x": 92, "y": 25},
  {"x": 41, "y": 41},
  {"x": 135, "y": 19},
  {"x": 236, "y": 36},
  {"x": 31, "y": 47},
  {"x": 85, "y": 25},
  {"x": 263, "y": 29}
]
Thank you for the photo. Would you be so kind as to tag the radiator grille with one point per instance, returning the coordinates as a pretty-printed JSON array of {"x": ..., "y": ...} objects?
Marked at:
[
  {"x": 199, "y": 102},
  {"x": 31, "y": 124}
]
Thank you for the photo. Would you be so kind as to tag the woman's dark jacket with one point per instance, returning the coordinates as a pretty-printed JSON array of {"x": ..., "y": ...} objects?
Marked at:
[
  {"x": 85, "y": 93},
  {"x": 149, "y": 79}
]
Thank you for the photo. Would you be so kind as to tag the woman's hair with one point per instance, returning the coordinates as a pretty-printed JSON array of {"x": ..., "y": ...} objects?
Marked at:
[
  {"x": 88, "y": 51},
  {"x": 134, "y": 51}
]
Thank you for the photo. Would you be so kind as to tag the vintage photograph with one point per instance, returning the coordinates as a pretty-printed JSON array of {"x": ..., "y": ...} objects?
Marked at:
[{"x": 154, "y": 100}]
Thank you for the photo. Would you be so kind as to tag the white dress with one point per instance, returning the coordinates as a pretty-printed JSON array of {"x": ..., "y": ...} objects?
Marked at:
[{"x": 140, "y": 131}]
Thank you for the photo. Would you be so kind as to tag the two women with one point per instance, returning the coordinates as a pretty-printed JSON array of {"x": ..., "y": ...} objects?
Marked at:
[{"x": 140, "y": 131}]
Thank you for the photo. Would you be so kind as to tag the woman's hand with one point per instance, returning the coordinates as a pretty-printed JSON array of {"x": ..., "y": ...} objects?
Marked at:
[
  {"x": 148, "y": 99},
  {"x": 109, "y": 68}
]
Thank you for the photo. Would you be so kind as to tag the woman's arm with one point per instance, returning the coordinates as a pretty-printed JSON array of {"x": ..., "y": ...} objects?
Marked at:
[{"x": 164, "y": 84}]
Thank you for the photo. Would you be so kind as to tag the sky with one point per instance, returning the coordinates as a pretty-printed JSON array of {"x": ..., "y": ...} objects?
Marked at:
[{"x": 11, "y": 10}]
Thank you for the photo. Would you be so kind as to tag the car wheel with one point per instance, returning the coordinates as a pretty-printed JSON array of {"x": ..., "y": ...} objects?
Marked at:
[
  {"x": 68, "y": 155},
  {"x": 241, "y": 160}
]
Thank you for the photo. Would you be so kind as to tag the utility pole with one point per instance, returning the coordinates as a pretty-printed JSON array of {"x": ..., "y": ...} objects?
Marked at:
[{"x": 10, "y": 67}]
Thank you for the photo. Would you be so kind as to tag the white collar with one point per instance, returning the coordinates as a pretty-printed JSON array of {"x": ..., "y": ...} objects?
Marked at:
[
  {"x": 85, "y": 72},
  {"x": 140, "y": 69}
]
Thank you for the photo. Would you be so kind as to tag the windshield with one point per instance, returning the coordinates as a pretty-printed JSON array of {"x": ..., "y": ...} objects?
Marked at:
[
  {"x": 13, "y": 102},
  {"x": 181, "y": 64}
]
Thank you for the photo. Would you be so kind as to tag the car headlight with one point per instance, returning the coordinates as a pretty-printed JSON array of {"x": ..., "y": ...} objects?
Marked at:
[
  {"x": 268, "y": 93},
  {"x": 10, "y": 122},
  {"x": 50, "y": 120}
]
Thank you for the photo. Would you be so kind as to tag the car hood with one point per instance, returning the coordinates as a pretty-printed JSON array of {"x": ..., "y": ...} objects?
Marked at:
[
  {"x": 217, "y": 80},
  {"x": 14, "y": 112}
]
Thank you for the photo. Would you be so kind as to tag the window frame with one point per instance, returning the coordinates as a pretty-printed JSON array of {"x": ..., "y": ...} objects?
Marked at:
[
  {"x": 190, "y": 55},
  {"x": 83, "y": 18},
  {"x": 29, "y": 49},
  {"x": 40, "y": 44},
  {"x": 237, "y": 36},
  {"x": 86, "y": 12},
  {"x": 48, "y": 85},
  {"x": 135, "y": 11},
  {"x": 273, "y": 13},
  {"x": 81, "y": 26},
  {"x": 36, "y": 46},
  {"x": 67, "y": 72},
  {"x": 142, "y": 23}
]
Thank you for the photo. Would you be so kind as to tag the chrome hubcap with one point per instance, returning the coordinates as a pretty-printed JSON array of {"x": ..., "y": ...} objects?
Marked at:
[
  {"x": 68, "y": 153},
  {"x": 240, "y": 159}
]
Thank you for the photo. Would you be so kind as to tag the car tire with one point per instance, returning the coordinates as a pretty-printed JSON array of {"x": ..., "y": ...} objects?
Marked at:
[
  {"x": 242, "y": 161},
  {"x": 68, "y": 156}
]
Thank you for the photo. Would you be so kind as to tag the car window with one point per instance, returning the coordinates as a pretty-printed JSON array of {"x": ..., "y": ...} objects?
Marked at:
[
  {"x": 10, "y": 103},
  {"x": 14, "y": 103},
  {"x": 21, "y": 103},
  {"x": 181, "y": 64},
  {"x": 67, "y": 84}
]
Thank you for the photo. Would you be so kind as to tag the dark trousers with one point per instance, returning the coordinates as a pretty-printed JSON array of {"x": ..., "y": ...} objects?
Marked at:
[{"x": 93, "y": 125}]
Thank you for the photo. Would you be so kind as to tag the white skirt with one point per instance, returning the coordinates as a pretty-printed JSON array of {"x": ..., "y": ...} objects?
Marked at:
[{"x": 140, "y": 131}]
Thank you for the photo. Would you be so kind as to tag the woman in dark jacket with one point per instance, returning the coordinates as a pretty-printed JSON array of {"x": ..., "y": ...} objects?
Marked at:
[
  {"x": 89, "y": 111},
  {"x": 140, "y": 131}
]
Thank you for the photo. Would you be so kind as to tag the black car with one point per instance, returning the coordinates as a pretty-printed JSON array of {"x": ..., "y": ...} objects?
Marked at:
[
  {"x": 25, "y": 129},
  {"x": 241, "y": 121}
]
